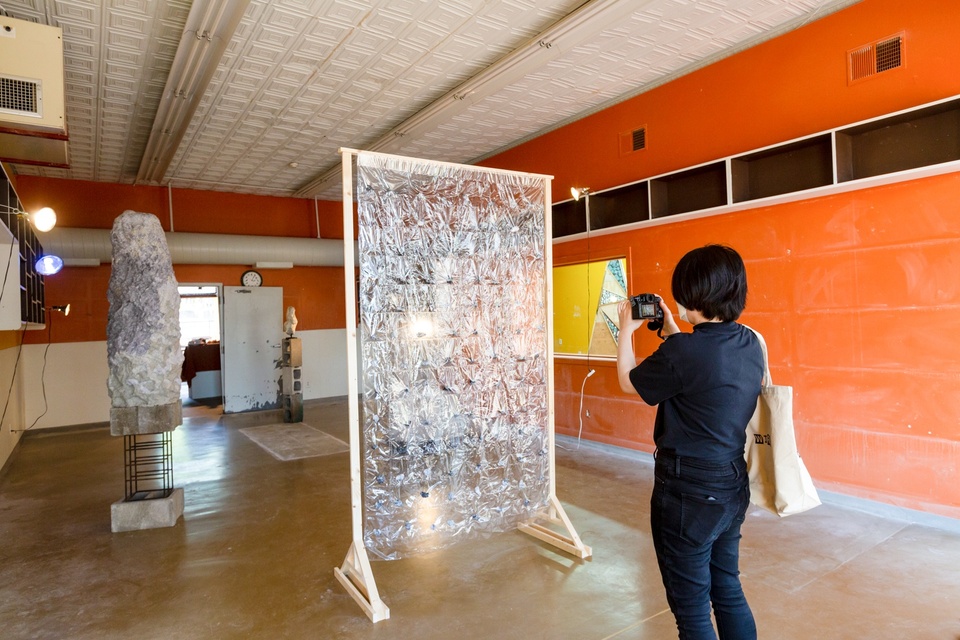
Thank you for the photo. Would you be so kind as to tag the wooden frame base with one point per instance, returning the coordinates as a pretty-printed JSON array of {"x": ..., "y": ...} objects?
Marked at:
[
  {"x": 570, "y": 543},
  {"x": 356, "y": 576}
]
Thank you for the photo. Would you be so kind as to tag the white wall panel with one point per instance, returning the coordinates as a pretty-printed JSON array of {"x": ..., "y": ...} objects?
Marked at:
[
  {"x": 324, "y": 368},
  {"x": 75, "y": 380},
  {"x": 13, "y": 418}
]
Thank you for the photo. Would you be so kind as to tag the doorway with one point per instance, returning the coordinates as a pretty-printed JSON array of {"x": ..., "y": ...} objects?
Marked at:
[{"x": 201, "y": 388}]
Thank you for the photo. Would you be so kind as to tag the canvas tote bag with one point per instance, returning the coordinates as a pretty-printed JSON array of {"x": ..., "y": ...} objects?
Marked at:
[{"x": 779, "y": 481}]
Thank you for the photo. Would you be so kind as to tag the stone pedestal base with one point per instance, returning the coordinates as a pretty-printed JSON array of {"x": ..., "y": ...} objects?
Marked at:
[
  {"x": 146, "y": 514},
  {"x": 129, "y": 421}
]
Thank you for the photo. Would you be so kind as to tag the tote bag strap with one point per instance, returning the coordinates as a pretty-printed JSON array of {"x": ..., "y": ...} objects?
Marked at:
[{"x": 767, "y": 380}]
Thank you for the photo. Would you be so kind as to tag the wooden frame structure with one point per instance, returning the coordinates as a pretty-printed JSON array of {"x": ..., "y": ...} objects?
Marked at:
[{"x": 355, "y": 574}]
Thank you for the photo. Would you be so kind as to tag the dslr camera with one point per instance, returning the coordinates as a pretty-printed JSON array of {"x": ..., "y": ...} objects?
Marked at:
[{"x": 646, "y": 306}]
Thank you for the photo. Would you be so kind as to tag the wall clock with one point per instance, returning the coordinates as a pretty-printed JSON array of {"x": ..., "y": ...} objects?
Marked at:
[{"x": 251, "y": 278}]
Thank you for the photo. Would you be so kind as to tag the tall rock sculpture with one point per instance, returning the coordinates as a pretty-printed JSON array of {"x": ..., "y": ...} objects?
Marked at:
[
  {"x": 143, "y": 330},
  {"x": 145, "y": 359}
]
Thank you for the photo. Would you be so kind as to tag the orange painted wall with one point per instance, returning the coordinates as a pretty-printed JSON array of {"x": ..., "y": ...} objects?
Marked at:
[
  {"x": 857, "y": 293},
  {"x": 95, "y": 205},
  {"x": 789, "y": 87},
  {"x": 316, "y": 292}
]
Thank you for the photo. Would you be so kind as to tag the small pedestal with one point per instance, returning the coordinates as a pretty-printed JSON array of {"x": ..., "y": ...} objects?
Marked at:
[
  {"x": 150, "y": 500},
  {"x": 152, "y": 513},
  {"x": 292, "y": 384}
]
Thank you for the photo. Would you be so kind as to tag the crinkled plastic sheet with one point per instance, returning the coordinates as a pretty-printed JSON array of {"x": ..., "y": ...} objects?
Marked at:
[{"x": 453, "y": 344}]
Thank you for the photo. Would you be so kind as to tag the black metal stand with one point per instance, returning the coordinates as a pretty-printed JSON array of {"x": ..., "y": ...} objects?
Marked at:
[{"x": 148, "y": 466}]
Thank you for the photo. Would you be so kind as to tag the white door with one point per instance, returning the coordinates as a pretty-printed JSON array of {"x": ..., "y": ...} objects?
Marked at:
[{"x": 251, "y": 358}]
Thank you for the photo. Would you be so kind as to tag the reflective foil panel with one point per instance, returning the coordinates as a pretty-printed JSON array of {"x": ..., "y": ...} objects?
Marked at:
[{"x": 453, "y": 352}]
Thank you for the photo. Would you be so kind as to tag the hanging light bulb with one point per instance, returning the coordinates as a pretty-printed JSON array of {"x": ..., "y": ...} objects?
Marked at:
[
  {"x": 44, "y": 219},
  {"x": 48, "y": 265}
]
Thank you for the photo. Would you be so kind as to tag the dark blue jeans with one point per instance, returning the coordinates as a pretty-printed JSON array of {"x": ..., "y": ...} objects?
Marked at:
[{"x": 696, "y": 512}]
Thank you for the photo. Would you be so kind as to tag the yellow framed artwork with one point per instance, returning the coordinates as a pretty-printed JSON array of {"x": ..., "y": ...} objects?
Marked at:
[{"x": 585, "y": 298}]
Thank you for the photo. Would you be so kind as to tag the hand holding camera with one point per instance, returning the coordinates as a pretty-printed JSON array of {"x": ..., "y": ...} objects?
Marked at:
[{"x": 646, "y": 306}]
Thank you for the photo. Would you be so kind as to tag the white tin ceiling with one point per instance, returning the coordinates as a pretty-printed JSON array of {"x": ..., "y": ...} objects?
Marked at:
[{"x": 453, "y": 80}]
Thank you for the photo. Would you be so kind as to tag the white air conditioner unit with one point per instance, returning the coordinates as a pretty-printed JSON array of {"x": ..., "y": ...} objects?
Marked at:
[{"x": 33, "y": 125}]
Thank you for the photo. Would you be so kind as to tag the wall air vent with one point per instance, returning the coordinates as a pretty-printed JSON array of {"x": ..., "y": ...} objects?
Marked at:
[
  {"x": 633, "y": 141},
  {"x": 19, "y": 96},
  {"x": 869, "y": 60}
]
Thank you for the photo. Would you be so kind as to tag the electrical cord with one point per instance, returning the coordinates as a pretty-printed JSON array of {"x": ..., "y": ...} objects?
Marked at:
[
  {"x": 580, "y": 431},
  {"x": 43, "y": 372},
  {"x": 16, "y": 366},
  {"x": 582, "y": 386},
  {"x": 590, "y": 372}
]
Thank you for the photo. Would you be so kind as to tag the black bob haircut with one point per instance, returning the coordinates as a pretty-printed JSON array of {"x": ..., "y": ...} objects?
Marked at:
[{"x": 713, "y": 281}]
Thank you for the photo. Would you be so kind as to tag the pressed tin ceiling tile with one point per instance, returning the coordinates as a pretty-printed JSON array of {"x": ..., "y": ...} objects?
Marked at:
[{"x": 301, "y": 78}]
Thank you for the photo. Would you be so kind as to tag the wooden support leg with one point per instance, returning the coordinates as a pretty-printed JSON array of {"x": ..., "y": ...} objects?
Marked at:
[
  {"x": 357, "y": 578},
  {"x": 570, "y": 543}
]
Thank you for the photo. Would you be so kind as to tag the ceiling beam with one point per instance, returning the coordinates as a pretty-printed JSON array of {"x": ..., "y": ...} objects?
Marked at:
[{"x": 208, "y": 30}]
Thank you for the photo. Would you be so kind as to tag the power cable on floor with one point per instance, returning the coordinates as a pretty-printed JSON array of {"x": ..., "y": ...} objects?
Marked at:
[{"x": 582, "y": 386}]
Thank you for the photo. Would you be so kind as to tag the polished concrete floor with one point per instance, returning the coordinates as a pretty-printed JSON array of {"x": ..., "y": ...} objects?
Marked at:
[{"x": 254, "y": 553}]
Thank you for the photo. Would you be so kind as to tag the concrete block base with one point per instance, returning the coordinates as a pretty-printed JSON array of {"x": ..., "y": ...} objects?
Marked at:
[
  {"x": 146, "y": 514},
  {"x": 129, "y": 421},
  {"x": 293, "y": 408}
]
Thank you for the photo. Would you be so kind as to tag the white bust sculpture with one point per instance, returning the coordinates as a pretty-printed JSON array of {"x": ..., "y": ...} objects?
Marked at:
[{"x": 290, "y": 326}]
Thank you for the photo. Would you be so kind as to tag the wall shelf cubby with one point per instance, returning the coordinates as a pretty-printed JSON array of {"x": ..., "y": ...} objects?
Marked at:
[
  {"x": 690, "y": 190},
  {"x": 569, "y": 218},
  {"x": 802, "y": 165},
  {"x": 909, "y": 140},
  {"x": 627, "y": 204},
  {"x": 918, "y": 138}
]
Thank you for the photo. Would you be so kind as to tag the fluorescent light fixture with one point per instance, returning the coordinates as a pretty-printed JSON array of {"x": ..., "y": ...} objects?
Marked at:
[
  {"x": 274, "y": 265},
  {"x": 583, "y": 25},
  {"x": 48, "y": 265},
  {"x": 209, "y": 28}
]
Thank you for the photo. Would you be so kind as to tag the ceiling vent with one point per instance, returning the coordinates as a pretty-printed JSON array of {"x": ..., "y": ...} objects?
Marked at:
[
  {"x": 869, "y": 60},
  {"x": 631, "y": 141}
]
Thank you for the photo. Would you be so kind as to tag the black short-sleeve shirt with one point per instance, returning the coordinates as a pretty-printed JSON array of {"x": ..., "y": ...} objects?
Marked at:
[{"x": 706, "y": 384}]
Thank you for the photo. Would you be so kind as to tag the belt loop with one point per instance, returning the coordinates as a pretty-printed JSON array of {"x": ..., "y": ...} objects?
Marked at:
[{"x": 677, "y": 465}]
